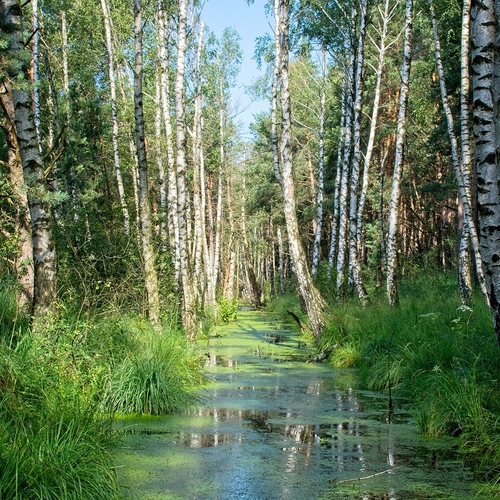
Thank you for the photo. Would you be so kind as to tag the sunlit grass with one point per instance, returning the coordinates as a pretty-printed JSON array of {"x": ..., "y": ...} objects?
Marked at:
[{"x": 60, "y": 387}]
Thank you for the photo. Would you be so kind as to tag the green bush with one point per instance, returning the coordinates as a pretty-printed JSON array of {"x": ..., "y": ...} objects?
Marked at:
[{"x": 227, "y": 309}]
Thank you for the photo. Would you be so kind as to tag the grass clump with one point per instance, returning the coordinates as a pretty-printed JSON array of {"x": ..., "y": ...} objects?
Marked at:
[
  {"x": 53, "y": 441},
  {"x": 60, "y": 387},
  {"x": 157, "y": 376}
]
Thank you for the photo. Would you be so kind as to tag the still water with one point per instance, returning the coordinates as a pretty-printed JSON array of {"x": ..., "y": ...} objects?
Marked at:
[{"x": 274, "y": 427}]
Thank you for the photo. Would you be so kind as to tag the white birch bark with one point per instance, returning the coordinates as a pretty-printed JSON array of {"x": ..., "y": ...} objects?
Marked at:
[
  {"x": 35, "y": 56},
  {"x": 44, "y": 251},
  {"x": 321, "y": 169},
  {"x": 381, "y": 47},
  {"x": 22, "y": 224},
  {"x": 150, "y": 276},
  {"x": 486, "y": 93},
  {"x": 313, "y": 302},
  {"x": 200, "y": 273},
  {"x": 162, "y": 227},
  {"x": 114, "y": 115},
  {"x": 354, "y": 265},
  {"x": 173, "y": 222},
  {"x": 338, "y": 175},
  {"x": 392, "y": 284},
  {"x": 188, "y": 297},
  {"x": 344, "y": 178},
  {"x": 461, "y": 171}
]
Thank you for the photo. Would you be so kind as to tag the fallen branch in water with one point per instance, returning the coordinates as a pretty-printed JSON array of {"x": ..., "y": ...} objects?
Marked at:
[
  {"x": 323, "y": 355},
  {"x": 303, "y": 326},
  {"x": 367, "y": 477}
]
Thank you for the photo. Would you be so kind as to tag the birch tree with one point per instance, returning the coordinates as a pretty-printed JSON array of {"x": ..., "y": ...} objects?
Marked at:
[
  {"x": 150, "y": 276},
  {"x": 314, "y": 303},
  {"x": 188, "y": 295},
  {"x": 44, "y": 252},
  {"x": 486, "y": 95},
  {"x": 392, "y": 284},
  {"x": 22, "y": 224},
  {"x": 461, "y": 169},
  {"x": 354, "y": 265},
  {"x": 114, "y": 114}
]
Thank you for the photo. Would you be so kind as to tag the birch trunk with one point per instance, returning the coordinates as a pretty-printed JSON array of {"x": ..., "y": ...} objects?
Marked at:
[
  {"x": 344, "y": 179},
  {"x": 200, "y": 271},
  {"x": 114, "y": 115},
  {"x": 486, "y": 95},
  {"x": 321, "y": 169},
  {"x": 386, "y": 15},
  {"x": 314, "y": 303},
  {"x": 281, "y": 261},
  {"x": 150, "y": 276},
  {"x": 35, "y": 60},
  {"x": 163, "y": 59},
  {"x": 22, "y": 224},
  {"x": 338, "y": 175},
  {"x": 44, "y": 252},
  {"x": 392, "y": 284},
  {"x": 461, "y": 171},
  {"x": 354, "y": 265},
  {"x": 162, "y": 227},
  {"x": 188, "y": 297}
]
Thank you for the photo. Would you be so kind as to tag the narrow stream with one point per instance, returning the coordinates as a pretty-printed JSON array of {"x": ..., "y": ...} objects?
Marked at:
[{"x": 271, "y": 427}]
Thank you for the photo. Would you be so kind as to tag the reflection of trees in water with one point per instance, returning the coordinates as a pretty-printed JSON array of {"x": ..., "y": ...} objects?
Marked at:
[{"x": 305, "y": 436}]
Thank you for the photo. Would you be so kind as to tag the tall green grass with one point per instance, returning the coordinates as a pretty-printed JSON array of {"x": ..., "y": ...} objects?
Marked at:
[
  {"x": 158, "y": 376},
  {"x": 60, "y": 386}
]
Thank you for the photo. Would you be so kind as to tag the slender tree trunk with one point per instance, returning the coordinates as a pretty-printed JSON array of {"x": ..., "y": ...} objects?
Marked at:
[
  {"x": 188, "y": 296},
  {"x": 22, "y": 224},
  {"x": 150, "y": 276},
  {"x": 392, "y": 283},
  {"x": 381, "y": 47},
  {"x": 314, "y": 303},
  {"x": 162, "y": 181},
  {"x": 486, "y": 96},
  {"x": 44, "y": 252},
  {"x": 461, "y": 170},
  {"x": 200, "y": 271},
  {"x": 35, "y": 60},
  {"x": 254, "y": 285},
  {"x": 338, "y": 175},
  {"x": 354, "y": 265},
  {"x": 173, "y": 222},
  {"x": 114, "y": 115},
  {"x": 344, "y": 179},
  {"x": 321, "y": 169}
]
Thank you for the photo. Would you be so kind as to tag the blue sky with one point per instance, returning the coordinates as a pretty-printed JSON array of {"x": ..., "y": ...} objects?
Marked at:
[{"x": 250, "y": 22}]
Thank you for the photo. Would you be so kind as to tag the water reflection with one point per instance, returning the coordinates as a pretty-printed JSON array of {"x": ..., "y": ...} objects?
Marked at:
[{"x": 282, "y": 431}]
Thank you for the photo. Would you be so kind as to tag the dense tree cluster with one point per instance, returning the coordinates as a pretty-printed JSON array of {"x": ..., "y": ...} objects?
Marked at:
[{"x": 125, "y": 182}]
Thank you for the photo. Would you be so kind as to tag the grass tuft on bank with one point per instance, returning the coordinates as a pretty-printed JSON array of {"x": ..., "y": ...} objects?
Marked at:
[{"x": 60, "y": 388}]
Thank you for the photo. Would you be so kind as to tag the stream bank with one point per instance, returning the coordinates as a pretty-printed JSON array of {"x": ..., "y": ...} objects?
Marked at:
[{"x": 273, "y": 427}]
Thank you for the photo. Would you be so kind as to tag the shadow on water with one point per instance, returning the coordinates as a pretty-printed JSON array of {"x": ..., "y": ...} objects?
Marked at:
[{"x": 273, "y": 428}]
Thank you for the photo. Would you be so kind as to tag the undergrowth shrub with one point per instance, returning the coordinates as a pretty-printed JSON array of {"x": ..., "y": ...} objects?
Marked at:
[
  {"x": 53, "y": 442},
  {"x": 59, "y": 387},
  {"x": 227, "y": 309}
]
